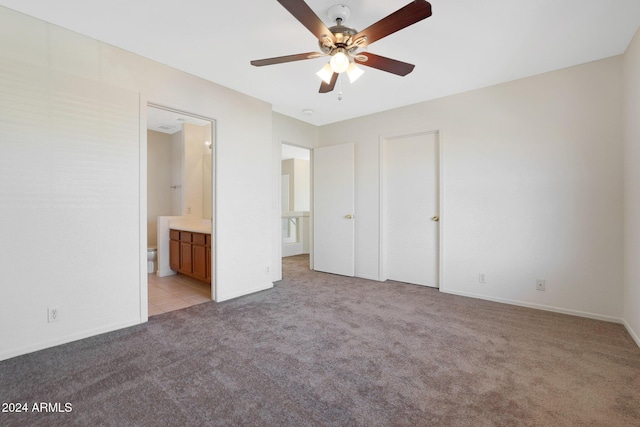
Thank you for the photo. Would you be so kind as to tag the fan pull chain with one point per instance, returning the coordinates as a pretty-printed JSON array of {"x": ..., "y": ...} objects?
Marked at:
[{"x": 339, "y": 89}]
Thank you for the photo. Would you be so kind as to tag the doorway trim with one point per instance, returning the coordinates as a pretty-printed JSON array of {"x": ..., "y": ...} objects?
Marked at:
[
  {"x": 144, "y": 103},
  {"x": 382, "y": 150}
]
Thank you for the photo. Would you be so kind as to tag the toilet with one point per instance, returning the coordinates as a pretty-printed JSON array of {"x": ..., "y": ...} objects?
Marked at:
[{"x": 152, "y": 253}]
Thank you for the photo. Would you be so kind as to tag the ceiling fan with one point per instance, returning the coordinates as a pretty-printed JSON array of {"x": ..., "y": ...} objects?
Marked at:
[{"x": 341, "y": 43}]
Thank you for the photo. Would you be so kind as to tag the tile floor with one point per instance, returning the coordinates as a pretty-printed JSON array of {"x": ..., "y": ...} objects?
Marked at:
[{"x": 175, "y": 292}]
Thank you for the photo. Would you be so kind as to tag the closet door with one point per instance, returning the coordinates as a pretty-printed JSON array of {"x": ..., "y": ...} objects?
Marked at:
[
  {"x": 411, "y": 209},
  {"x": 333, "y": 209}
]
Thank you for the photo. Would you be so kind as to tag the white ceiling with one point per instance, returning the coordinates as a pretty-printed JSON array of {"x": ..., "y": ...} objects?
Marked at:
[
  {"x": 293, "y": 152},
  {"x": 170, "y": 122},
  {"x": 466, "y": 44}
]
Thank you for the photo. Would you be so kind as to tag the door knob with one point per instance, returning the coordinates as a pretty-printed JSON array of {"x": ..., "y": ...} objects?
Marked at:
[
  {"x": 349, "y": 216},
  {"x": 435, "y": 218}
]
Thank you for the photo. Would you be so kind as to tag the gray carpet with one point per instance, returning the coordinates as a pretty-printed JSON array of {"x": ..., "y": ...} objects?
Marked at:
[{"x": 325, "y": 350}]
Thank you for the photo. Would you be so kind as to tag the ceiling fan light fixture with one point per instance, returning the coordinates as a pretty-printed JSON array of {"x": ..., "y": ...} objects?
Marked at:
[
  {"x": 339, "y": 62},
  {"x": 325, "y": 73},
  {"x": 342, "y": 42},
  {"x": 354, "y": 72}
]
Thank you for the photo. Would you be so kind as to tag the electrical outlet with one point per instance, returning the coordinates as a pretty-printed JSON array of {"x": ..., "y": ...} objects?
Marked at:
[
  {"x": 540, "y": 284},
  {"x": 53, "y": 314},
  {"x": 482, "y": 278}
]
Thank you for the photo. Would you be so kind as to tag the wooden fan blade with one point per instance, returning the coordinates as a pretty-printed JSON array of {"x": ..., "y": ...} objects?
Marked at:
[
  {"x": 385, "y": 64},
  {"x": 303, "y": 13},
  {"x": 328, "y": 87},
  {"x": 410, "y": 14},
  {"x": 288, "y": 58}
]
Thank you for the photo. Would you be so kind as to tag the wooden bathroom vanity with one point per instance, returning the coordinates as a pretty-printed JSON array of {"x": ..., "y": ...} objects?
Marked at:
[{"x": 190, "y": 254}]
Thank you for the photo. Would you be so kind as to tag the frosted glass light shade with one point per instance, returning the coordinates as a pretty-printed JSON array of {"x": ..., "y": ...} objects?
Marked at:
[
  {"x": 339, "y": 62},
  {"x": 325, "y": 73},
  {"x": 354, "y": 72}
]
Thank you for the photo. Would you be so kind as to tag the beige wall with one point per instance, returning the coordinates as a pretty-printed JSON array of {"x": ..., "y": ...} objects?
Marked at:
[
  {"x": 159, "y": 174},
  {"x": 177, "y": 174},
  {"x": 73, "y": 140},
  {"x": 193, "y": 184},
  {"x": 287, "y": 130},
  {"x": 531, "y": 187},
  {"x": 632, "y": 187},
  {"x": 532, "y": 184},
  {"x": 299, "y": 183},
  {"x": 288, "y": 168},
  {"x": 302, "y": 185}
]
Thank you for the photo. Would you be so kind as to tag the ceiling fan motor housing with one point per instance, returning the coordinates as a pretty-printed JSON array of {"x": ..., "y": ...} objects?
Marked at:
[
  {"x": 343, "y": 34},
  {"x": 339, "y": 11}
]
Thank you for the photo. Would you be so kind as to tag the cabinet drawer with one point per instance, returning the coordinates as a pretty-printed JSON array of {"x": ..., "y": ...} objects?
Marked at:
[
  {"x": 174, "y": 235},
  {"x": 198, "y": 239},
  {"x": 185, "y": 236},
  {"x": 207, "y": 240}
]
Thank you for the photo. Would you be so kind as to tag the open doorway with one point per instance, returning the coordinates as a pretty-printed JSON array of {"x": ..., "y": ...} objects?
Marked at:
[
  {"x": 296, "y": 200},
  {"x": 180, "y": 209}
]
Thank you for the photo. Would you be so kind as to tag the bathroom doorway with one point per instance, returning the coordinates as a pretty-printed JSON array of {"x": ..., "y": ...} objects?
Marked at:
[
  {"x": 296, "y": 200},
  {"x": 181, "y": 196}
]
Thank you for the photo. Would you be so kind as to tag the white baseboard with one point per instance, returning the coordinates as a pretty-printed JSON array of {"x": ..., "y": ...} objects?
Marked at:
[
  {"x": 538, "y": 306},
  {"x": 66, "y": 339},
  {"x": 241, "y": 294},
  {"x": 292, "y": 249},
  {"x": 633, "y": 333},
  {"x": 368, "y": 277},
  {"x": 165, "y": 273}
]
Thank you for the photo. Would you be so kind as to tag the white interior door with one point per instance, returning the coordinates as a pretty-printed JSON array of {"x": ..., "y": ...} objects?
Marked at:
[
  {"x": 333, "y": 209},
  {"x": 410, "y": 209}
]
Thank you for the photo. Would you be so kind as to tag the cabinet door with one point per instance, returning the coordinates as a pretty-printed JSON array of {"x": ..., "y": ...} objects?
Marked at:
[
  {"x": 208, "y": 255},
  {"x": 199, "y": 262},
  {"x": 174, "y": 255},
  {"x": 186, "y": 262}
]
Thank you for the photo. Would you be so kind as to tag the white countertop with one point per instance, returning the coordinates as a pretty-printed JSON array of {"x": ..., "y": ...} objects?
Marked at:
[{"x": 195, "y": 226}]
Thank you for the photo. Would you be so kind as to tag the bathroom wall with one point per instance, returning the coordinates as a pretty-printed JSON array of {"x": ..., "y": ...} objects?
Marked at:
[
  {"x": 207, "y": 173},
  {"x": 175, "y": 175},
  {"x": 177, "y": 165},
  {"x": 194, "y": 146},
  {"x": 159, "y": 175}
]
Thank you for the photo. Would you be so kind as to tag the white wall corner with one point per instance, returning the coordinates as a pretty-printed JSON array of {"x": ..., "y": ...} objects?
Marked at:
[{"x": 634, "y": 334}]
